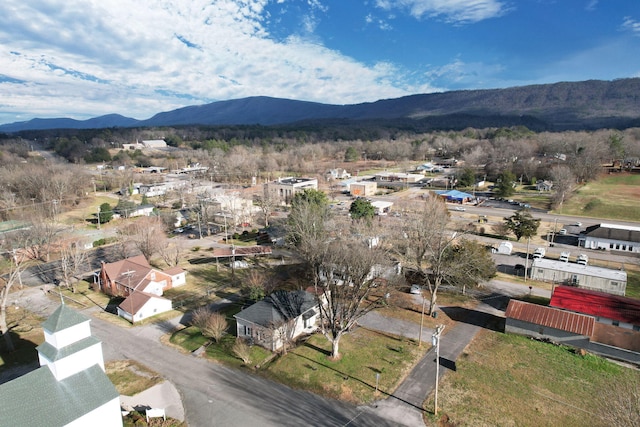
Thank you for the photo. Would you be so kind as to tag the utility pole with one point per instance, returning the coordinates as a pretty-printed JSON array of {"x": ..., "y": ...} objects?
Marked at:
[
  {"x": 98, "y": 218},
  {"x": 424, "y": 302},
  {"x": 435, "y": 340},
  {"x": 526, "y": 260}
]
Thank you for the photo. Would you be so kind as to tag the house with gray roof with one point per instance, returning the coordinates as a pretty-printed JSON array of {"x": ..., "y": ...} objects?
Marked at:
[
  {"x": 278, "y": 319},
  {"x": 611, "y": 237},
  {"x": 70, "y": 388}
]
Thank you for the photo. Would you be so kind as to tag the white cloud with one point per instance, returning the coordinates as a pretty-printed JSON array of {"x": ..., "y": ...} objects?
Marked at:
[
  {"x": 631, "y": 25},
  {"x": 84, "y": 58},
  {"x": 452, "y": 11}
]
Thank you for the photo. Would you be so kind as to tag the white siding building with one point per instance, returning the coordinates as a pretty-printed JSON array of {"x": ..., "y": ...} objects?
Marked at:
[
  {"x": 581, "y": 276},
  {"x": 611, "y": 237}
]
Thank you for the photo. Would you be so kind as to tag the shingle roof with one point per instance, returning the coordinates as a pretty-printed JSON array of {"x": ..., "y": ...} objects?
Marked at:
[
  {"x": 134, "y": 302},
  {"x": 37, "y": 399},
  {"x": 614, "y": 307},
  {"x": 550, "y": 317},
  {"x": 63, "y": 318},
  {"x": 130, "y": 271},
  {"x": 278, "y": 307},
  {"x": 174, "y": 271}
]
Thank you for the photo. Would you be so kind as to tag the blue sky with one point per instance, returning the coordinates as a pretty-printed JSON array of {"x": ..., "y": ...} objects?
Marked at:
[{"x": 86, "y": 58}]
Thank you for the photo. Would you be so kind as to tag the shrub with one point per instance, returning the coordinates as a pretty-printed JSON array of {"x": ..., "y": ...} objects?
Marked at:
[
  {"x": 195, "y": 248},
  {"x": 242, "y": 350},
  {"x": 211, "y": 324},
  {"x": 593, "y": 204}
]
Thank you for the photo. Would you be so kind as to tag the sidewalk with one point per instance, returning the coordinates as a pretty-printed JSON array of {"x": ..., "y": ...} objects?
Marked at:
[{"x": 404, "y": 406}]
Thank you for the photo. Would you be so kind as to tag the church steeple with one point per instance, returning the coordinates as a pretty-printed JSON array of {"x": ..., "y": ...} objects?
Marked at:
[{"x": 69, "y": 347}]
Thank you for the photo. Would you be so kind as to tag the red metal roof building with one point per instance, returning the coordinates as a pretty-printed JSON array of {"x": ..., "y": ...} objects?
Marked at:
[
  {"x": 599, "y": 304},
  {"x": 550, "y": 317}
]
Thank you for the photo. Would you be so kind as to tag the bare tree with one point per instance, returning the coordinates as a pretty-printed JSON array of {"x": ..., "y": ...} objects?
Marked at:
[
  {"x": 172, "y": 251},
  {"x": 350, "y": 282},
  {"x": 14, "y": 265},
  {"x": 267, "y": 203},
  {"x": 72, "y": 259},
  {"x": 212, "y": 324},
  {"x": 38, "y": 238},
  {"x": 257, "y": 283},
  {"x": 423, "y": 243},
  {"x": 146, "y": 234},
  {"x": 563, "y": 184}
]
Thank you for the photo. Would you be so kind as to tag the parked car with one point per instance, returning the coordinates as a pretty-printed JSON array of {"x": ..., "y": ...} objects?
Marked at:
[
  {"x": 563, "y": 232},
  {"x": 578, "y": 224},
  {"x": 416, "y": 289},
  {"x": 459, "y": 208}
]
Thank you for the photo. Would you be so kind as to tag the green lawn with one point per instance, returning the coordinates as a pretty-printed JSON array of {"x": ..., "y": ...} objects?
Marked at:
[
  {"x": 191, "y": 339},
  {"x": 615, "y": 196},
  {"x": 508, "y": 380},
  {"x": 353, "y": 377}
]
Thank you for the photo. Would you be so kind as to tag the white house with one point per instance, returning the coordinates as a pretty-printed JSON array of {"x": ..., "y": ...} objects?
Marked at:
[
  {"x": 338, "y": 174},
  {"x": 141, "y": 305},
  {"x": 281, "y": 317},
  {"x": 611, "y": 237},
  {"x": 70, "y": 388}
]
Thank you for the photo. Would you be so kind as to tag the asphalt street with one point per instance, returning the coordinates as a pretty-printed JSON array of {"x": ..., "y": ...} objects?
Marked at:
[{"x": 214, "y": 395}]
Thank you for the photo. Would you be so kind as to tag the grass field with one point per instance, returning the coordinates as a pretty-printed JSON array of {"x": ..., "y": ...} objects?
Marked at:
[
  {"x": 615, "y": 196},
  {"x": 508, "y": 380}
]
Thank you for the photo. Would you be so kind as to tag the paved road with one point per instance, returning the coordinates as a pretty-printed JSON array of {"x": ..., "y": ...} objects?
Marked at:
[{"x": 215, "y": 395}]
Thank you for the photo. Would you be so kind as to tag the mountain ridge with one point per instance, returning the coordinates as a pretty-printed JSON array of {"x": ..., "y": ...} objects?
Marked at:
[{"x": 558, "y": 106}]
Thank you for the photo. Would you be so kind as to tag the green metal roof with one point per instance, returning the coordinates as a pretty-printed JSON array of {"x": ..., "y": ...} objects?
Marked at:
[
  {"x": 63, "y": 318},
  {"x": 53, "y": 354},
  {"x": 37, "y": 399}
]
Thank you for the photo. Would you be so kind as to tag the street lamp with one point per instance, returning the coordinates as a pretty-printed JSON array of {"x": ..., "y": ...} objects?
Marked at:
[{"x": 435, "y": 340}]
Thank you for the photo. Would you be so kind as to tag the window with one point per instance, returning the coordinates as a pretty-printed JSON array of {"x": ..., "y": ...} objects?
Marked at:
[
  {"x": 615, "y": 323},
  {"x": 636, "y": 327},
  {"x": 610, "y": 245}
]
